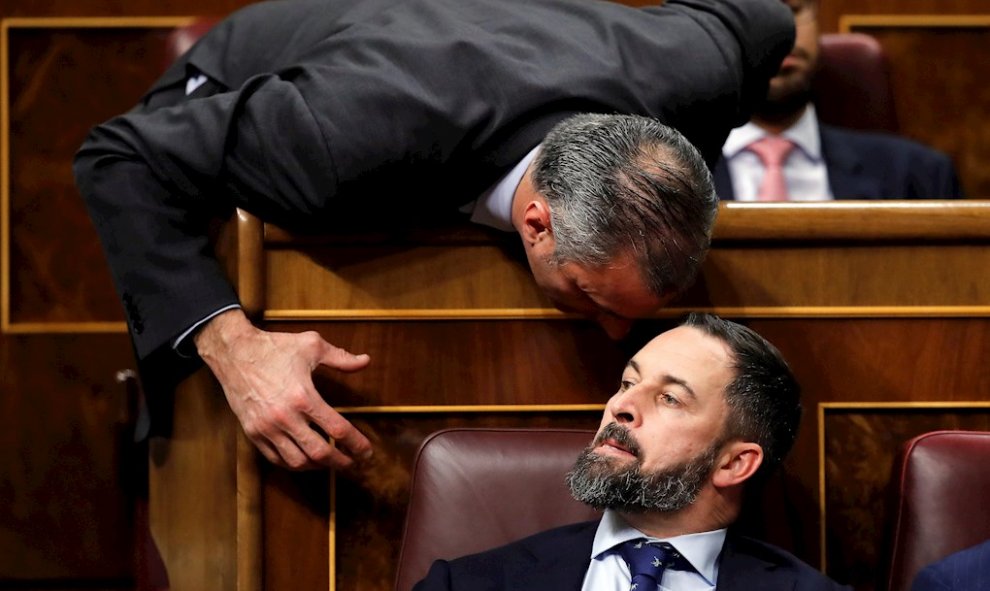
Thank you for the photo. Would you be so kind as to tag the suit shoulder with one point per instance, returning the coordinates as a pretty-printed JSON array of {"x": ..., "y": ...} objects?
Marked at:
[
  {"x": 959, "y": 570},
  {"x": 806, "y": 577},
  {"x": 884, "y": 143},
  {"x": 530, "y": 546},
  {"x": 493, "y": 568}
]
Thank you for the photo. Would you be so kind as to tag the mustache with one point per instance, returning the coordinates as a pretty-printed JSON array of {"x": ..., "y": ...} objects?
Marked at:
[{"x": 620, "y": 435}]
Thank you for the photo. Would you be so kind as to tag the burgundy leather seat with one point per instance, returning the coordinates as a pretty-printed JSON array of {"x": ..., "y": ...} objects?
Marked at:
[
  {"x": 942, "y": 482},
  {"x": 475, "y": 489},
  {"x": 852, "y": 86}
]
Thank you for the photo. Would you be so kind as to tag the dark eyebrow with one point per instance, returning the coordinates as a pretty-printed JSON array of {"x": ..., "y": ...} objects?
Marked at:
[{"x": 669, "y": 379}]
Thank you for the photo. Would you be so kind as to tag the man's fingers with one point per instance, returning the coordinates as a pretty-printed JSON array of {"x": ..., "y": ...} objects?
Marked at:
[
  {"x": 342, "y": 359},
  {"x": 345, "y": 436},
  {"x": 291, "y": 454}
]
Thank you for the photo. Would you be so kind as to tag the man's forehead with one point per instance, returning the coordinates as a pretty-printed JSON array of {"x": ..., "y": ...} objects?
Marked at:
[{"x": 686, "y": 350}]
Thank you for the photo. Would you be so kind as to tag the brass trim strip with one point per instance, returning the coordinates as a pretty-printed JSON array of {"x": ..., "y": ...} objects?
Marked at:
[
  {"x": 964, "y": 311},
  {"x": 98, "y": 22},
  {"x": 880, "y": 406},
  {"x": 413, "y": 314},
  {"x": 761, "y": 312},
  {"x": 469, "y": 408},
  {"x": 821, "y": 488},
  {"x": 848, "y": 22},
  {"x": 332, "y": 532},
  {"x": 4, "y": 182},
  {"x": 250, "y": 544},
  {"x": 65, "y": 327}
]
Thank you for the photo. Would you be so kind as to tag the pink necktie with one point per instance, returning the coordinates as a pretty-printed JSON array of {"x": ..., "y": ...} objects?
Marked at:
[{"x": 773, "y": 151}]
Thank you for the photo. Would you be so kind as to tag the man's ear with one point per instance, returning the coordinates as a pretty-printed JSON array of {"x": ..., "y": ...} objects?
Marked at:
[
  {"x": 536, "y": 222},
  {"x": 738, "y": 462}
]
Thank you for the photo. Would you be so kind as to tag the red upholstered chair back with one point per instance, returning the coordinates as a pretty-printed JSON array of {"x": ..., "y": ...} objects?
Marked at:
[
  {"x": 942, "y": 482},
  {"x": 852, "y": 87},
  {"x": 476, "y": 489}
]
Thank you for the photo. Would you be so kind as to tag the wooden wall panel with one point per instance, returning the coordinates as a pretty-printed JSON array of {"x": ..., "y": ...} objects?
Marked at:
[
  {"x": 57, "y": 272},
  {"x": 67, "y": 467},
  {"x": 67, "y": 479},
  {"x": 472, "y": 362},
  {"x": 940, "y": 86},
  {"x": 861, "y": 444}
]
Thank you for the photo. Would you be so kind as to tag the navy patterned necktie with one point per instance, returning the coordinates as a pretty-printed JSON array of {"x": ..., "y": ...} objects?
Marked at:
[{"x": 648, "y": 561}]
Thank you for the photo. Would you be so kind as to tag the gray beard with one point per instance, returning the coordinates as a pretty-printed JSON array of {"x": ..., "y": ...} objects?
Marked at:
[{"x": 606, "y": 483}]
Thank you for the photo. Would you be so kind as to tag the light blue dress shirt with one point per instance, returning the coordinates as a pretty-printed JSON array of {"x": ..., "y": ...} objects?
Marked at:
[{"x": 609, "y": 572}]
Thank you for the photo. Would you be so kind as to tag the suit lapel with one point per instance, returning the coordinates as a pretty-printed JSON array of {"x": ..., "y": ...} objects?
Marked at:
[
  {"x": 845, "y": 168},
  {"x": 560, "y": 566},
  {"x": 723, "y": 180}
]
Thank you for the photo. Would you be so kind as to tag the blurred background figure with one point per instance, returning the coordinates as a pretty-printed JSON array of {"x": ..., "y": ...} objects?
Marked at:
[{"x": 785, "y": 154}]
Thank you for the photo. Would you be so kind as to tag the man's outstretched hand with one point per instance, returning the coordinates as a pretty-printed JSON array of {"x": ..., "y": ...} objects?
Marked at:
[{"x": 268, "y": 380}]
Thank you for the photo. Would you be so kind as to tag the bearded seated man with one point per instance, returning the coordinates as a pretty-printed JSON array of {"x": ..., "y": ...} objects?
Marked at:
[{"x": 702, "y": 411}]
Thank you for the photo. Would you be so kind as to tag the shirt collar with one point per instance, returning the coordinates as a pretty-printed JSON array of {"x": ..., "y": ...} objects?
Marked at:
[
  {"x": 494, "y": 207},
  {"x": 700, "y": 549},
  {"x": 804, "y": 133}
]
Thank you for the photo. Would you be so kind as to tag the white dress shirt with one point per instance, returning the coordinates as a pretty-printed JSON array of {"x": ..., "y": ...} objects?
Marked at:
[
  {"x": 804, "y": 171},
  {"x": 494, "y": 207},
  {"x": 609, "y": 572}
]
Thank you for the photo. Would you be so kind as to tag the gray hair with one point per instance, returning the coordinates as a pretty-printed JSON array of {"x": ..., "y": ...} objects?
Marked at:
[{"x": 618, "y": 184}]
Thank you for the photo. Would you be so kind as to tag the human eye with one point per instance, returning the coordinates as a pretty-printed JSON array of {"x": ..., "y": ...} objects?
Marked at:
[
  {"x": 625, "y": 384},
  {"x": 668, "y": 399}
]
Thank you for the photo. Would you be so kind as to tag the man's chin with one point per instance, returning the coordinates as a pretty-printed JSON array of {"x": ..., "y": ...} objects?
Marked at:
[{"x": 784, "y": 101}]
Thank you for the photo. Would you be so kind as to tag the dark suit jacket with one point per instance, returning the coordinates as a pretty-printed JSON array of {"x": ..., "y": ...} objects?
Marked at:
[
  {"x": 864, "y": 165},
  {"x": 558, "y": 559},
  {"x": 967, "y": 570},
  {"x": 348, "y": 108}
]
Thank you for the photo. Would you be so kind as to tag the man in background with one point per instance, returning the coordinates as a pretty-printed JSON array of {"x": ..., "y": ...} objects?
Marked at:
[
  {"x": 785, "y": 154},
  {"x": 702, "y": 411}
]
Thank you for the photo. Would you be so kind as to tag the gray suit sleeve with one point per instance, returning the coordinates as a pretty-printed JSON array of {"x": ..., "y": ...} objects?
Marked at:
[{"x": 155, "y": 181}]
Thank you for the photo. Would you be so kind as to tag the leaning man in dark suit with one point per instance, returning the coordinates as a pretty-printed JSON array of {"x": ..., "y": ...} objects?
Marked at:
[
  {"x": 786, "y": 154},
  {"x": 312, "y": 114},
  {"x": 702, "y": 410}
]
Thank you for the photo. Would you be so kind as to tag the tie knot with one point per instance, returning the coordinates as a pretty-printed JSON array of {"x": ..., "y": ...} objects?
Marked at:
[
  {"x": 773, "y": 150},
  {"x": 648, "y": 561}
]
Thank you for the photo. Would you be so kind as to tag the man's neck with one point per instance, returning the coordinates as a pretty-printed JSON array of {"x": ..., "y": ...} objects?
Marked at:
[
  {"x": 710, "y": 511},
  {"x": 777, "y": 122},
  {"x": 698, "y": 517}
]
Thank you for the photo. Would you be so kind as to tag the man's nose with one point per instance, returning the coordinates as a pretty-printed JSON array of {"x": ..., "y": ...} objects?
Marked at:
[
  {"x": 615, "y": 327},
  {"x": 622, "y": 407}
]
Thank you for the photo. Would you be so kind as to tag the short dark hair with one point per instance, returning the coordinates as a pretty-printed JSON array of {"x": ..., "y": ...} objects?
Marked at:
[
  {"x": 764, "y": 398},
  {"x": 619, "y": 184}
]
